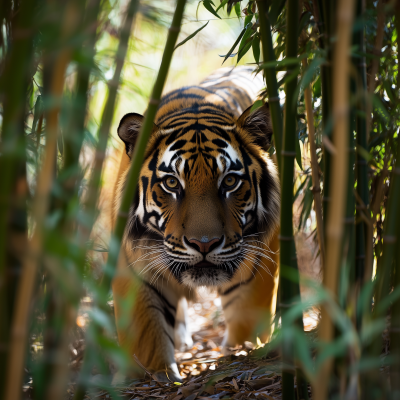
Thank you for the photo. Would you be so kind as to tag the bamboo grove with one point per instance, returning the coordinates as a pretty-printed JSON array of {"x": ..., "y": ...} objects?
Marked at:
[{"x": 333, "y": 88}]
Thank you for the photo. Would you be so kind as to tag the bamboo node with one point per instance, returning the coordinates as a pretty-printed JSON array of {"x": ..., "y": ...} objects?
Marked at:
[
  {"x": 285, "y": 238},
  {"x": 389, "y": 239},
  {"x": 272, "y": 99},
  {"x": 316, "y": 189},
  {"x": 174, "y": 29},
  {"x": 154, "y": 102},
  {"x": 288, "y": 153}
]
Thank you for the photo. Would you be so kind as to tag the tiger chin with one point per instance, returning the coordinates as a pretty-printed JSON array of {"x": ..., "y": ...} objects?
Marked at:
[{"x": 205, "y": 213}]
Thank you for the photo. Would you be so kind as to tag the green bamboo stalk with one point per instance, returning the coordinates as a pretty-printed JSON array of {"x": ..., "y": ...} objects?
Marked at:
[
  {"x": 301, "y": 381},
  {"x": 395, "y": 320},
  {"x": 395, "y": 327},
  {"x": 270, "y": 77},
  {"x": 338, "y": 180},
  {"x": 137, "y": 161},
  {"x": 390, "y": 240},
  {"x": 361, "y": 163},
  {"x": 73, "y": 142},
  {"x": 12, "y": 159},
  {"x": 287, "y": 175},
  {"x": 348, "y": 271},
  {"x": 380, "y": 25}
]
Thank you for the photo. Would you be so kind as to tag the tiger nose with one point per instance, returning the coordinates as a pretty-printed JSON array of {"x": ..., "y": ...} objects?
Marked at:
[{"x": 203, "y": 245}]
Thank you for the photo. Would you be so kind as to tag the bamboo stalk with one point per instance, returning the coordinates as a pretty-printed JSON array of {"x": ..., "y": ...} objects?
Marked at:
[
  {"x": 395, "y": 328},
  {"x": 58, "y": 337},
  {"x": 314, "y": 169},
  {"x": 287, "y": 174},
  {"x": 380, "y": 24},
  {"x": 140, "y": 147},
  {"x": 137, "y": 159},
  {"x": 30, "y": 266},
  {"x": 395, "y": 320},
  {"x": 270, "y": 77},
  {"x": 13, "y": 87},
  {"x": 390, "y": 240},
  {"x": 339, "y": 177},
  {"x": 73, "y": 143},
  {"x": 106, "y": 120},
  {"x": 326, "y": 12},
  {"x": 361, "y": 164}
]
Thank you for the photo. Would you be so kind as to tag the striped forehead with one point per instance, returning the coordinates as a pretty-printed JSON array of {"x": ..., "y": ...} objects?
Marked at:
[{"x": 205, "y": 143}]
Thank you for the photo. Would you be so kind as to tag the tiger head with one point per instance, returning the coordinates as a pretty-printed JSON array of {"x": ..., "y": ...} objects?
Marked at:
[{"x": 206, "y": 184}]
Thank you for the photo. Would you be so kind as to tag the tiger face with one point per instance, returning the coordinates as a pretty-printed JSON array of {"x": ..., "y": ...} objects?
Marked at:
[{"x": 206, "y": 184}]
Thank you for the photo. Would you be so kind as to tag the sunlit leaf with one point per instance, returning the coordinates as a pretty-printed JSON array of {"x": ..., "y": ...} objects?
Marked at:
[
  {"x": 234, "y": 45},
  {"x": 191, "y": 36},
  {"x": 221, "y": 5}
]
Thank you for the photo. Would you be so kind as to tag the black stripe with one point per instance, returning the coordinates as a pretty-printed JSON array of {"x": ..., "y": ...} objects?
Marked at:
[
  {"x": 230, "y": 302},
  {"x": 234, "y": 287},
  {"x": 169, "y": 318},
  {"x": 169, "y": 337},
  {"x": 160, "y": 295}
]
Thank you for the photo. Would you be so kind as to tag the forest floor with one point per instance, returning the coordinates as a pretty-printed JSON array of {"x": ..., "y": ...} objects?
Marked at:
[{"x": 244, "y": 373}]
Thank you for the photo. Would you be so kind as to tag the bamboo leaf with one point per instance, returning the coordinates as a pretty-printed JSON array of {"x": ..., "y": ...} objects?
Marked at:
[
  {"x": 245, "y": 49},
  {"x": 208, "y": 4},
  {"x": 246, "y": 36},
  {"x": 37, "y": 111},
  {"x": 276, "y": 9},
  {"x": 256, "y": 48},
  {"x": 377, "y": 103},
  {"x": 221, "y": 5},
  {"x": 298, "y": 154},
  {"x": 248, "y": 19},
  {"x": 238, "y": 11},
  {"x": 257, "y": 104},
  {"x": 304, "y": 21},
  {"x": 191, "y": 36},
  {"x": 234, "y": 45}
]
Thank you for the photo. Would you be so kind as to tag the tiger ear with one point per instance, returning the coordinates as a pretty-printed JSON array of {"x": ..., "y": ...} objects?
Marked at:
[
  {"x": 128, "y": 130},
  {"x": 258, "y": 124}
]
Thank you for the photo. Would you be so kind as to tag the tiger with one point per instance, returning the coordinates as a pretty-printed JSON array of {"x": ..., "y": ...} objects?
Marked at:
[{"x": 206, "y": 213}]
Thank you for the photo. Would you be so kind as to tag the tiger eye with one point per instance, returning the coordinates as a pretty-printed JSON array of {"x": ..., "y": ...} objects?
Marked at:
[
  {"x": 229, "y": 181},
  {"x": 171, "y": 182}
]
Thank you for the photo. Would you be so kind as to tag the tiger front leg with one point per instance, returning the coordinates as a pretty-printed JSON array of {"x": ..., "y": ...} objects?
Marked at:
[{"x": 146, "y": 328}]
